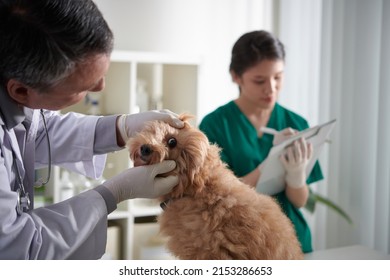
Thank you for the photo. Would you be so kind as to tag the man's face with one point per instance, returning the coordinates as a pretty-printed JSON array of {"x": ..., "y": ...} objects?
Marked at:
[{"x": 87, "y": 77}]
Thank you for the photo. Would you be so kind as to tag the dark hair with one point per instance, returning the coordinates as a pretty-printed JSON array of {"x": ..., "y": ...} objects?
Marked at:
[
  {"x": 254, "y": 47},
  {"x": 42, "y": 41}
]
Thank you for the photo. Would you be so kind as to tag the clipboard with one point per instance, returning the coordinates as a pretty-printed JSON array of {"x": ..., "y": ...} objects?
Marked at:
[{"x": 273, "y": 173}]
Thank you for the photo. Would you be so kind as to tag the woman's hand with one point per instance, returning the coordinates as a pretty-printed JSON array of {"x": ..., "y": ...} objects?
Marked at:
[
  {"x": 283, "y": 135},
  {"x": 295, "y": 161}
]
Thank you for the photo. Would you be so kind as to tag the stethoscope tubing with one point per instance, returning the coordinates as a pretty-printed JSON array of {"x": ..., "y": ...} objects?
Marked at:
[{"x": 23, "y": 200}]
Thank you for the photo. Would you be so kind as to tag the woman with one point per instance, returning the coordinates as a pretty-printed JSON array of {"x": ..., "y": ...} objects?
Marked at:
[{"x": 257, "y": 67}]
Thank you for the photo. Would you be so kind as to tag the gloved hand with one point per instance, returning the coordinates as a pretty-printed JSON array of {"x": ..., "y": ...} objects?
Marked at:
[
  {"x": 129, "y": 125},
  {"x": 141, "y": 181},
  {"x": 283, "y": 135},
  {"x": 295, "y": 161},
  {"x": 260, "y": 167}
]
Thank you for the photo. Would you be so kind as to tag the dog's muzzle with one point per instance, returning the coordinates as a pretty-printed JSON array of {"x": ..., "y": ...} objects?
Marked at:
[
  {"x": 143, "y": 155},
  {"x": 146, "y": 150}
]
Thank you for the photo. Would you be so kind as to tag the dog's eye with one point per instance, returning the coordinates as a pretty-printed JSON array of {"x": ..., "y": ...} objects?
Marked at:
[{"x": 172, "y": 142}]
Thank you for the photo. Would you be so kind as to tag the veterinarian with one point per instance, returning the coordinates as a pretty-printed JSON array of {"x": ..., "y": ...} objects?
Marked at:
[
  {"x": 52, "y": 53},
  {"x": 257, "y": 67}
]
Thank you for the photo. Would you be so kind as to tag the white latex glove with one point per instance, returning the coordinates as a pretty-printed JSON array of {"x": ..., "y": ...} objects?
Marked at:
[
  {"x": 295, "y": 161},
  {"x": 283, "y": 135},
  {"x": 141, "y": 181},
  {"x": 129, "y": 125},
  {"x": 260, "y": 167}
]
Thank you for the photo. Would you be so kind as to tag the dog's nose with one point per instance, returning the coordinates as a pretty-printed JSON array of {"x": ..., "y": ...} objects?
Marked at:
[{"x": 146, "y": 150}]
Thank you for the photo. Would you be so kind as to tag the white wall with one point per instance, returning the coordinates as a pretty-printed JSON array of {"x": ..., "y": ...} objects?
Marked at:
[
  {"x": 207, "y": 28},
  {"x": 302, "y": 39}
]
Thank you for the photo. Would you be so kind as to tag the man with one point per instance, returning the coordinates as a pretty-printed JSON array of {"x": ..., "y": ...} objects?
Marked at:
[{"x": 52, "y": 53}]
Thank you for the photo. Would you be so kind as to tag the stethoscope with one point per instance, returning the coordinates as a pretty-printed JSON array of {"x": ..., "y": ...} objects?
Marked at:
[{"x": 23, "y": 200}]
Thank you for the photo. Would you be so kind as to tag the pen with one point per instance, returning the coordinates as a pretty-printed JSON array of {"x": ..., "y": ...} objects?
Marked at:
[{"x": 269, "y": 130}]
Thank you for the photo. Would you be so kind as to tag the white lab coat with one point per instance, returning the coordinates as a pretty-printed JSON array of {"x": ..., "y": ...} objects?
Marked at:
[{"x": 72, "y": 229}]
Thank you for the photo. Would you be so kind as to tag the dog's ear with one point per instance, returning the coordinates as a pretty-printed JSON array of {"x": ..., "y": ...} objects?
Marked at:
[{"x": 185, "y": 117}]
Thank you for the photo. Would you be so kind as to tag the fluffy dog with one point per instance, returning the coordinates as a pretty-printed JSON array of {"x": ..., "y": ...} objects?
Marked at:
[{"x": 211, "y": 214}]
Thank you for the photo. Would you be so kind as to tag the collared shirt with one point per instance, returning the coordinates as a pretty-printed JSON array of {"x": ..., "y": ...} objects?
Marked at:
[{"x": 75, "y": 228}]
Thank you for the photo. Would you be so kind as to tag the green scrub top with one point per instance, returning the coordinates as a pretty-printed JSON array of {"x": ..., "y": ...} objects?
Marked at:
[{"x": 243, "y": 151}]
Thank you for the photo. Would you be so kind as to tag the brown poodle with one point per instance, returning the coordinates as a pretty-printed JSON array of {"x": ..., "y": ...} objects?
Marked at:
[{"x": 211, "y": 214}]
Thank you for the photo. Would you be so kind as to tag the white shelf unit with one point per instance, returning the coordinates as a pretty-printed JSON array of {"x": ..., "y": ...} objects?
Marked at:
[{"x": 174, "y": 78}]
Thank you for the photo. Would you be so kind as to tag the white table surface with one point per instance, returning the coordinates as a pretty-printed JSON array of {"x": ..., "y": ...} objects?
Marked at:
[{"x": 356, "y": 252}]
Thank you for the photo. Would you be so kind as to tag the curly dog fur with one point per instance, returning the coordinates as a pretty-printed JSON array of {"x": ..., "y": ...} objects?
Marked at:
[{"x": 211, "y": 214}]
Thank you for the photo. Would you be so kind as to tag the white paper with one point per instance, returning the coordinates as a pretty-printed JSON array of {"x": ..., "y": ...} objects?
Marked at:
[{"x": 272, "y": 177}]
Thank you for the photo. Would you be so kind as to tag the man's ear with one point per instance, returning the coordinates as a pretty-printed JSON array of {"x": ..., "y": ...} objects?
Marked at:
[{"x": 18, "y": 91}]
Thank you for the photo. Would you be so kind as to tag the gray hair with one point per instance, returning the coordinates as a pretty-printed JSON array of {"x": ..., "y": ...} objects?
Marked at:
[{"x": 42, "y": 41}]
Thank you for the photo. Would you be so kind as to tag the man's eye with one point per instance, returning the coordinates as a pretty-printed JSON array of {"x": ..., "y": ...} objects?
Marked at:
[{"x": 172, "y": 142}]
